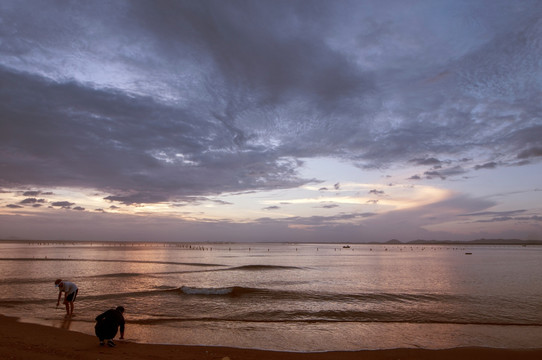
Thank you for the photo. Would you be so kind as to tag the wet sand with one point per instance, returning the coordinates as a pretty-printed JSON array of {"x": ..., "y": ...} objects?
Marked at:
[{"x": 30, "y": 341}]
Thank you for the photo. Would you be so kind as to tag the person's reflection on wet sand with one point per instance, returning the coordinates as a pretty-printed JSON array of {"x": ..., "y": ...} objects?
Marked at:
[{"x": 66, "y": 323}]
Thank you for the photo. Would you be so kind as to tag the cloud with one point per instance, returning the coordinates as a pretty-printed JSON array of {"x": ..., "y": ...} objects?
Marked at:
[
  {"x": 322, "y": 221},
  {"x": 499, "y": 213},
  {"x": 137, "y": 198},
  {"x": 31, "y": 193},
  {"x": 426, "y": 161},
  {"x": 432, "y": 174},
  {"x": 529, "y": 153},
  {"x": 178, "y": 103},
  {"x": 32, "y": 201},
  {"x": 62, "y": 204},
  {"x": 121, "y": 154},
  {"x": 490, "y": 165},
  {"x": 221, "y": 202},
  {"x": 220, "y": 107},
  {"x": 330, "y": 206},
  {"x": 424, "y": 222},
  {"x": 498, "y": 219},
  {"x": 444, "y": 173},
  {"x": 503, "y": 216},
  {"x": 14, "y": 206}
]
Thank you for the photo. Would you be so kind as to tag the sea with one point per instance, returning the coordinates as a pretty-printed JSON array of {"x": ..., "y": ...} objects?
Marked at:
[{"x": 283, "y": 296}]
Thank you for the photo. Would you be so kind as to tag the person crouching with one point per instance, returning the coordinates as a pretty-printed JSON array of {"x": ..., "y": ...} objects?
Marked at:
[{"x": 107, "y": 325}]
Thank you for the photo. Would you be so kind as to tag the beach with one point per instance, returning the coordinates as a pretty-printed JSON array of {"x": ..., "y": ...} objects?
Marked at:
[{"x": 30, "y": 341}]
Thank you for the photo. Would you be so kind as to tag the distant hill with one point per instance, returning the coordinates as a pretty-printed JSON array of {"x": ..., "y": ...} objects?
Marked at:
[
  {"x": 470, "y": 242},
  {"x": 393, "y": 241}
]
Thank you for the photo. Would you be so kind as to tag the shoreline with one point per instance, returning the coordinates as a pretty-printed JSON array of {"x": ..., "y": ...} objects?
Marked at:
[{"x": 19, "y": 340}]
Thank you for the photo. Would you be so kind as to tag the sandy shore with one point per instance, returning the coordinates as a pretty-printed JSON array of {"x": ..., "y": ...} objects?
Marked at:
[{"x": 30, "y": 341}]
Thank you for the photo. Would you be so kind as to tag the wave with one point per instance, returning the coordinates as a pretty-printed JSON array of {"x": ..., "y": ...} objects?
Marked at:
[
  {"x": 112, "y": 261},
  {"x": 285, "y": 306},
  {"x": 206, "y": 291},
  {"x": 264, "y": 294},
  {"x": 230, "y": 291},
  {"x": 11, "y": 303},
  {"x": 117, "y": 275},
  {"x": 277, "y": 294},
  {"x": 324, "y": 317},
  {"x": 21, "y": 281},
  {"x": 49, "y": 280},
  {"x": 236, "y": 268},
  {"x": 262, "y": 267}
]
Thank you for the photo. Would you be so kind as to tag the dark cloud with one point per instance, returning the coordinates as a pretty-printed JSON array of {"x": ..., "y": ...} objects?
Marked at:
[
  {"x": 221, "y": 202},
  {"x": 529, "y": 153},
  {"x": 245, "y": 44},
  {"x": 197, "y": 200},
  {"x": 272, "y": 208},
  {"x": 322, "y": 220},
  {"x": 271, "y": 74},
  {"x": 426, "y": 161},
  {"x": 62, "y": 204},
  {"x": 490, "y": 165},
  {"x": 32, "y": 201},
  {"x": 34, "y": 193},
  {"x": 445, "y": 173},
  {"x": 497, "y": 219},
  {"x": 129, "y": 152},
  {"x": 31, "y": 193},
  {"x": 137, "y": 198},
  {"x": 496, "y": 213},
  {"x": 330, "y": 206},
  {"x": 433, "y": 174},
  {"x": 376, "y": 192},
  {"x": 14, "y": 206}
]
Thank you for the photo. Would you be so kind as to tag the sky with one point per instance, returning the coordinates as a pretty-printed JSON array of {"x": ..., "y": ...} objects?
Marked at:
[{"x": 270, "y": 120}]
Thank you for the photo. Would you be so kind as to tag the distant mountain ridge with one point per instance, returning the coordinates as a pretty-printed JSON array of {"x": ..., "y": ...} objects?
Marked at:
[{"x": 469, "y": 242}]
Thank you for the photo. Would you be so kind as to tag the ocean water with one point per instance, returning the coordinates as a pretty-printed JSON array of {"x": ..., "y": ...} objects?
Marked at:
[{"x": 294, "y": 297}]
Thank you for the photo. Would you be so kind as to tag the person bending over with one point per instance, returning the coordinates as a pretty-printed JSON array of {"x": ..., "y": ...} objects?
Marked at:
[
  {"x": 107, "y": 325},
  {"x": 70, "y": 293}
]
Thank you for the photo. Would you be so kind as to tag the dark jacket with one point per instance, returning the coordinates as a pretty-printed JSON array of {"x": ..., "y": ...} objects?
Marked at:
[{"x": 107, "y": 324}]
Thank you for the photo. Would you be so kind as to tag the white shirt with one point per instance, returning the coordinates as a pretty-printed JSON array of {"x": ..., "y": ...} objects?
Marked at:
[{"x": 67, "y": 287}]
